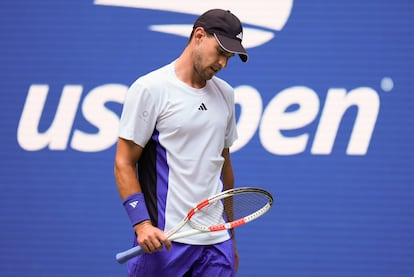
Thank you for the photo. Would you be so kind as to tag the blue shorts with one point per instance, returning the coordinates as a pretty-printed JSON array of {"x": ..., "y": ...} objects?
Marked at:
[{"x": 186, "y": 260}]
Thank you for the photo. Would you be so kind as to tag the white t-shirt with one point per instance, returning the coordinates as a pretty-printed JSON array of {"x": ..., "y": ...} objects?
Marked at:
[{"x": 184, "y": 131}]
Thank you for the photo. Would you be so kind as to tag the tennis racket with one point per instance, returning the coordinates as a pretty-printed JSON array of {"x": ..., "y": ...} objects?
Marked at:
[{"x": 227, "y": 210}]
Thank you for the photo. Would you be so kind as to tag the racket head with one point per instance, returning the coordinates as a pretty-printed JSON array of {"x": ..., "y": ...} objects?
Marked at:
[{"x": 230, "y": 209}]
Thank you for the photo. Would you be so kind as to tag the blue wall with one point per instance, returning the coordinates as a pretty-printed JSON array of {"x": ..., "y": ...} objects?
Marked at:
[{"x": 327, "y": 109}]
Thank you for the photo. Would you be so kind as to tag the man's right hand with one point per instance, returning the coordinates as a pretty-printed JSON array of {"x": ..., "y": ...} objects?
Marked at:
[{"x": 150, "y": 238}]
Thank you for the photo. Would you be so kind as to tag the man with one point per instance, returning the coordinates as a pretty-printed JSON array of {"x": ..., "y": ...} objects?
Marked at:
[{"x": 177, "y": 125}]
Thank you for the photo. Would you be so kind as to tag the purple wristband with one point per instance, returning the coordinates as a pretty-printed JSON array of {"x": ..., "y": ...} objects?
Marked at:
[{"x": 136, "y": 208}]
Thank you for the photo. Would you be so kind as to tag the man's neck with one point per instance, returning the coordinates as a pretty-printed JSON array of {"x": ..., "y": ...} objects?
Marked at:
[{"x": 184, "y": 70}]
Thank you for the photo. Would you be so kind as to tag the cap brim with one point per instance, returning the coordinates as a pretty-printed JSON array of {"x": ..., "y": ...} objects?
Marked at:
[{"x": 232, "y": 46}]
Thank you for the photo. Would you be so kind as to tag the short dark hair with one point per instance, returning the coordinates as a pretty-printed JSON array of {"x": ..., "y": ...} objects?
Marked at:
[{"x": 192, "y": 34}]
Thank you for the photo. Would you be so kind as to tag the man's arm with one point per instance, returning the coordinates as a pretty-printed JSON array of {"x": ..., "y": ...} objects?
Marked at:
[
  {"x": 227, "y": 171},
  {"x": 228, "y": 183},
  {"x": 126, "y": 158},
  {"x": 127, "y": 155}
]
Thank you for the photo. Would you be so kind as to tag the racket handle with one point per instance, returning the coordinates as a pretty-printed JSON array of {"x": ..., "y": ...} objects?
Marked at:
[{"x": 124, "y": 256}]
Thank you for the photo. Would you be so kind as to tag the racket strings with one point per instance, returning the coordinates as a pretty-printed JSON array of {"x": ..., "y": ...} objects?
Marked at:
[{"x": 229, "y": 209}]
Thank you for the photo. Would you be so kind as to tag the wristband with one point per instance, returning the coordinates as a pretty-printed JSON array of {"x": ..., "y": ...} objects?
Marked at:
[{"x": 136, "y": 208}]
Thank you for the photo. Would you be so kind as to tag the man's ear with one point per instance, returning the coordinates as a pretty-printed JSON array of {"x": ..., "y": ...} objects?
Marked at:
[{"x": 199, "y": 33}]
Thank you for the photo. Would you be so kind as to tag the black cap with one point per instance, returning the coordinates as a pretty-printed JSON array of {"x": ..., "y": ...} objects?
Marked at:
[{"x": 227, "y": 29}]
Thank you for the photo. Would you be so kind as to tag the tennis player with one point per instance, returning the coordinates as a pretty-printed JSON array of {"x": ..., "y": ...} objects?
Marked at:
[{"x": 176, "y": 128}]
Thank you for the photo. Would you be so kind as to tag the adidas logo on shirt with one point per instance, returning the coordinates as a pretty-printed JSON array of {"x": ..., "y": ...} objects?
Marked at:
[{"x": 202, "y": 107}]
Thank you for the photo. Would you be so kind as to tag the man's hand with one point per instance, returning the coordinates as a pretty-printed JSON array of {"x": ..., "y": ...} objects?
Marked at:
[{"x": 150, "y": 238}]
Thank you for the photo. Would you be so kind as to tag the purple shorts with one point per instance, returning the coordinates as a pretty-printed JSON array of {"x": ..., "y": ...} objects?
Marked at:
[{"x": 186, "y": 260}]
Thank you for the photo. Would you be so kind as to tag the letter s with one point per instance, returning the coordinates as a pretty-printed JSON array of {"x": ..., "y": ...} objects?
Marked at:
[{"x": 107, "y": 122}]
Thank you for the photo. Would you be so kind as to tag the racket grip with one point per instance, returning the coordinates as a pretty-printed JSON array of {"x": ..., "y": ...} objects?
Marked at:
[{"x": 124, "y": 256}]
